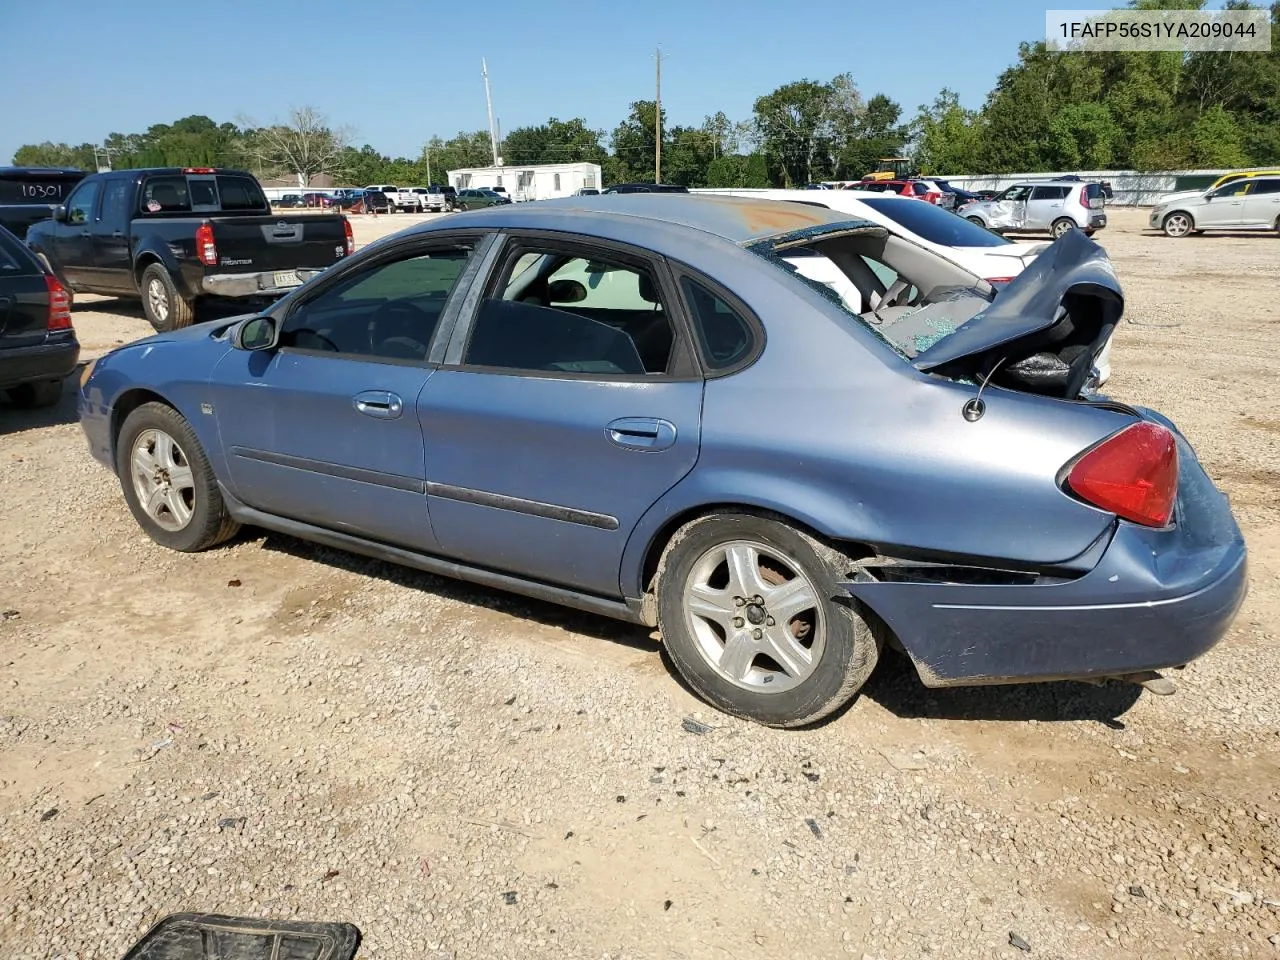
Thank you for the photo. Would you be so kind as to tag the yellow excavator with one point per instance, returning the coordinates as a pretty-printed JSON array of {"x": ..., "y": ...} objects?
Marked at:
[{"x": 891, "y": 168}]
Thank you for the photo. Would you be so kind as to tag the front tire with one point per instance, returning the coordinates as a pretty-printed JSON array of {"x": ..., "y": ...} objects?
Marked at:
[
  {"x": 1178, "y": 224},
  {"x": 164, "y": 306},
  {"x": 977, "y": 220},
  {"x": 746, "y": 612},
  {"x": 168, "y": 481}
]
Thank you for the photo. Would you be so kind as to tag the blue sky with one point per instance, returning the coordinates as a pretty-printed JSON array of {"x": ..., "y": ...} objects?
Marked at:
[{"x": 121, "y": 65}]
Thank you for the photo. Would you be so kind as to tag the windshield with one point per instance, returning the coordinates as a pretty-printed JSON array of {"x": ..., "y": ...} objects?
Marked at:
[{"x": 934, "y": 224}]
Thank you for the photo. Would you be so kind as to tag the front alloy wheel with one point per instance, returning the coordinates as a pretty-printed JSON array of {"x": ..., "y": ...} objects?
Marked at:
[
  {"x": 162, "y": 479},
  {"x": 1177, "y": 225}
]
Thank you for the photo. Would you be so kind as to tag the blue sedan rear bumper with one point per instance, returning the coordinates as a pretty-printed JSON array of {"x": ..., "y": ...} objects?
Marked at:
[{"x": 1157, "y": 598}]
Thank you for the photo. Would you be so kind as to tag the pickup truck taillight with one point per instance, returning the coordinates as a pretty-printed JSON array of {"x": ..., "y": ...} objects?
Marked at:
[
  {"x": 206, "y": 249},
  {"x": 59, "y": 304},
  {"x": 351, "y": 240}
]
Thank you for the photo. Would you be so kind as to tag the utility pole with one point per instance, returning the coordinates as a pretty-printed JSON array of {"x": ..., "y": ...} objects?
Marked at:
[
  {"x": 427, "y": 148},
  {"x": 657, "y": 121},
  {"x": 488, "y": 100}
]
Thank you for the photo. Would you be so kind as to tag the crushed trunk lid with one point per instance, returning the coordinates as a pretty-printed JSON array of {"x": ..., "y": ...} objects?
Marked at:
[{"x": 1044, "y": 329}]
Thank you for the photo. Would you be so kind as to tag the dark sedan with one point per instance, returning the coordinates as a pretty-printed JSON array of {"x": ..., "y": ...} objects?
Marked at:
[
  {"x": 38, "y": 346},
  {"x": 637, "y": 406},
  {"x": 478, "y": 199}
]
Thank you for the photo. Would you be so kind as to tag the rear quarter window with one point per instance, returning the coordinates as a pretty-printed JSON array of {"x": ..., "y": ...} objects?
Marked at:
[{"x": 15, "y": 259}]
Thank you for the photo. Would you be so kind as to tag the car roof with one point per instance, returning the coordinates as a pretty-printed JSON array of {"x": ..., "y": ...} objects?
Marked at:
[{"x": 739, "y": 220}]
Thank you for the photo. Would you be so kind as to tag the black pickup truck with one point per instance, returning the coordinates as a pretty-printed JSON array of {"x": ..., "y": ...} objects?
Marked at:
[
  {"x": 173, "y": 236},
  {"x": 29, "y": 194}
]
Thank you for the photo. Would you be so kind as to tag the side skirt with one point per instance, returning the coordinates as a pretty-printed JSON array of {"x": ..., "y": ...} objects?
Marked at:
[{"x": 628, "y": 610}]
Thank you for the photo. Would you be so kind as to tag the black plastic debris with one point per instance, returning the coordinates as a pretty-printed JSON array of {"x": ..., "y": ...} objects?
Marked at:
[
  {"x": 812, "y": 824},
  {"x": 568, "y": 835},
  {"x": 690, "y": 725},
  {"x": 510, "y": 700},
  {"x": 621, "y": 798},
  {"x": 48, "y": 814},
  {"x": 1137, "y": 891},
  {"x": 232, "y": 823},
  {"x": 666, "y": 905},
  {"x": 209, "y": 796},
  {"x": 509, "y": 897},
  {"x": 1017, "y": 941}
]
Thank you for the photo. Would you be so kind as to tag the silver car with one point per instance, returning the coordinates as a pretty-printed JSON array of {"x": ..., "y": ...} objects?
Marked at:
[
  {"x": 1052, "y": 207},
  {"x": 1247, "y": 204}
]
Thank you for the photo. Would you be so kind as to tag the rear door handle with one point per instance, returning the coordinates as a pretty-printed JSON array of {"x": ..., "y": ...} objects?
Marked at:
[
  {"x": 642, "y": 433},
  {"x": 378, "y": 403}
]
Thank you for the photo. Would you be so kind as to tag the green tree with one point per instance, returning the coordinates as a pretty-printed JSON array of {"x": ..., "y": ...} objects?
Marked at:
[
  {"x": 556, "y": 141},
  {"x": 633, "y": 145},
  {"x": 798, "y": 125},
  {"x": 947, "y": 136},
  {"x": 50, "y": 154},
  {"x": 877, "y": 133},
  {"x": 1084, "y": 136}
]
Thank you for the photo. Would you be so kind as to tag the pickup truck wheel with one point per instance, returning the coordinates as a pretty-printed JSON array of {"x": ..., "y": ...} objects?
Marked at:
[
  {"x": 168, "y": 481},
  {"x": 165, "y": 308},
  {"x": 42, "y": 394},
  {"x": 746, "y": 613}
]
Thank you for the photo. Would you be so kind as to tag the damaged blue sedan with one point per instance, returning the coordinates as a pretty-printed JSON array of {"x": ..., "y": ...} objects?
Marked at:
[{"x": 639, "y": 406}]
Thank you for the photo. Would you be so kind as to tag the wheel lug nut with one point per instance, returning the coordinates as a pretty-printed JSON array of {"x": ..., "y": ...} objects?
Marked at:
[
  {"x": 739, "y": 601},
  {"x": 757, "y": 633},
  {"x": 757, "y": 599},
  {"x": 738, "y": 621},
  {"x": 769, "y": 621}
]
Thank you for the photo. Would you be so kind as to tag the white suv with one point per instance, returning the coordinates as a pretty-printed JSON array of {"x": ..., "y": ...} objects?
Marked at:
[{"x": 1053, "y": 207}]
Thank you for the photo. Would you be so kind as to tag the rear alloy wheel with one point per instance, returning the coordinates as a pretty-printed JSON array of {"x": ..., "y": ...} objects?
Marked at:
[
  {"x": 165, "y": 308},
  {"x": 977, "y": 220},
  {"x": 168, "y": 481},
  {"x": 1061, "y": 226},
  {"x": 746, "y": 612},
  {"x": 1178, "y": 224}
]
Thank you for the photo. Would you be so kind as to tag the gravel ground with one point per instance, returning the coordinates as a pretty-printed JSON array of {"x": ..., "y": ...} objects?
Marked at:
[{"x": 276, "y": 729}]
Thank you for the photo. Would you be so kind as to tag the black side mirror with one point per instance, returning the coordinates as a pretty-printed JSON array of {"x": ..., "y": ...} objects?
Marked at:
[
  {"x": 566, "y": 291},
  {"x": 60, "y": 213},
  {"x": 196, "y": 936},
  {"x": 257, "y": 333}
]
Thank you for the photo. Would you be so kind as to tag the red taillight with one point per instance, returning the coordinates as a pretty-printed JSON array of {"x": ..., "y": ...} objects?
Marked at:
[
  {"x": 59, "y": 304},
  {"x": 998, "y": 279},
  {"x": 1084, "y": 197},
  {"x": 206, "y": 249},
  {"x": 1133, "y": 474},
  {"x": 351, "y": 240}
]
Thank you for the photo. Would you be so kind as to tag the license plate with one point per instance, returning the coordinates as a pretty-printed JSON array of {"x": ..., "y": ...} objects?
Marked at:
[{"x": 287, "y": 278}]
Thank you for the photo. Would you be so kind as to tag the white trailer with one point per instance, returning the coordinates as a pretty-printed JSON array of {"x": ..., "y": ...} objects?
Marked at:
[{"x": 531, "y": 181}]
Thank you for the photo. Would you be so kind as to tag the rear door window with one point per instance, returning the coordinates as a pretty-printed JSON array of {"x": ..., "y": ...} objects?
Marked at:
[
  {"x": 165, "y": 194},
  {"x": 1267, "y": 186}
]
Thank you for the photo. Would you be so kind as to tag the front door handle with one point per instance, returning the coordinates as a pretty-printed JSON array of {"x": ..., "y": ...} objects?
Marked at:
[
  {"x": 642, "y": 433},
  {"x": 378, "y": 403}
]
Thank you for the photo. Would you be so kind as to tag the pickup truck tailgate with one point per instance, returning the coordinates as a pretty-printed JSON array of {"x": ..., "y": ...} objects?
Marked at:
[{"x": 278, "y": 242}]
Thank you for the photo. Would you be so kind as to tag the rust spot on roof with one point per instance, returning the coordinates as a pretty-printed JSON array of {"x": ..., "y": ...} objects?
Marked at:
[{"x": 767, "y": 217}]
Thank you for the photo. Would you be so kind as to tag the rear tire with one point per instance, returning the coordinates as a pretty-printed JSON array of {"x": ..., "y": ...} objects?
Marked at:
[
  {"x": 168, "y": 481},
  {"x": 720, "y": 582},
  {"x": 44, "y": 393},
  {"x": 1061, "y": 226},
  {"x": 977, "y": 220},
  {"x": 165, "y": 308}
]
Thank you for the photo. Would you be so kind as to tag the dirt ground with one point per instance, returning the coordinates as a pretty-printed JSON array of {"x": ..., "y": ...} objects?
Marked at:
[{"x": 274, "y": 729}]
